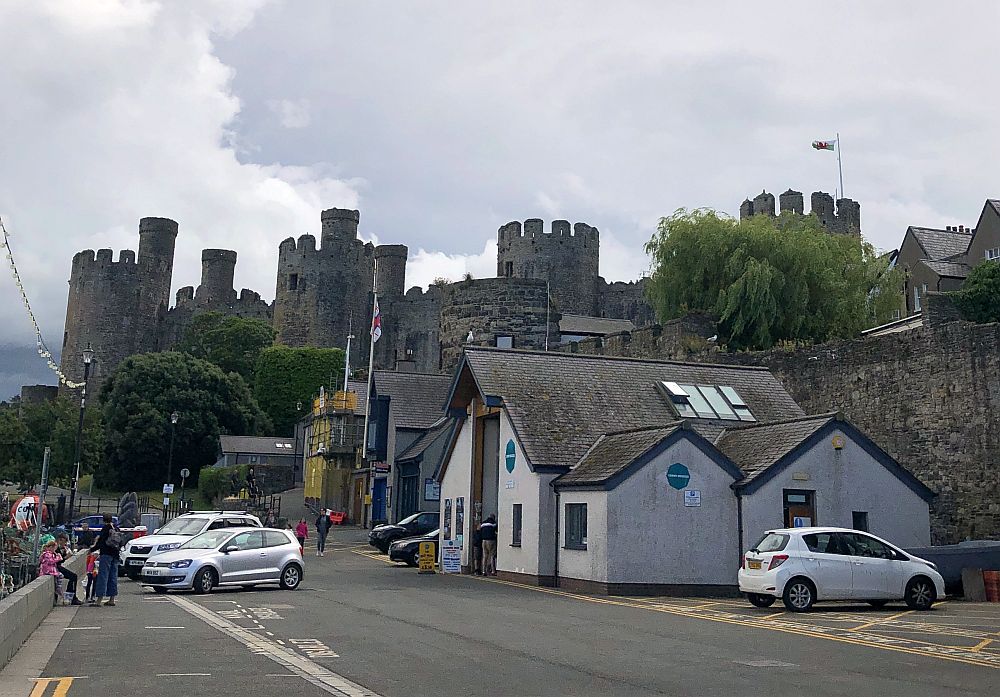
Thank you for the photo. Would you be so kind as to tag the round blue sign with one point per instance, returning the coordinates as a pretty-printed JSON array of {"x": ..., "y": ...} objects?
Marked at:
[
  {"x": 678, "y": 476},
  {"x": 510, "y": 456}
]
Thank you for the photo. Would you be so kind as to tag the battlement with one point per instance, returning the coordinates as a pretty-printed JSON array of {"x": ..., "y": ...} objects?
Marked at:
[
  {"x": 842, "y": 216},
  {"x": 533, "y": 229},
  {"x": 184, "y": 295},
  {"x": 86, "y": 259}
]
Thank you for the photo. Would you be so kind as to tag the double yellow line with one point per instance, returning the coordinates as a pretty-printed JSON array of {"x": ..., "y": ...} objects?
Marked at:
[{"x": 62, "y": 686}]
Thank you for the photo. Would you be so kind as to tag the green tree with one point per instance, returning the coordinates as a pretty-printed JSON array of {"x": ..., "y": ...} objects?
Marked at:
[
  {"x": 286, "y": 376},
  {"x": 137, "y": 401},
  {"x": 26, "y": 430},
  {"x": 979, "y": 299},
  {"x": 768, "y": 279},
  {"x": 232, "y": 343}
]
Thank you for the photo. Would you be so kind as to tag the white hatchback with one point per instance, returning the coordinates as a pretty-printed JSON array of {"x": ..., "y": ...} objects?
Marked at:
[{"x": 805, "y": 565}]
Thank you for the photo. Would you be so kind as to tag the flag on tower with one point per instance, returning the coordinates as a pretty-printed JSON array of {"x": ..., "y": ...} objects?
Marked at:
[
  {"x": 825, "y": 144},
  {"x": 376, "y": 322}
]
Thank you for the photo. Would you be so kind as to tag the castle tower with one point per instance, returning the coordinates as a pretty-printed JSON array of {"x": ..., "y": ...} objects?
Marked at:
[
  {"x": 746, "y": 209},
  {"x": 339, "y": 227},
  {"x": 821, "y": 205},
  {"x": 848, "y": 216},
  {"x": 565, "y": 257},
  {"x": 218, "y": 269},
  {"x": 763, "y": 204},
  {"x": 791, "y": 202},
  {"x": 390, "y": 270}
]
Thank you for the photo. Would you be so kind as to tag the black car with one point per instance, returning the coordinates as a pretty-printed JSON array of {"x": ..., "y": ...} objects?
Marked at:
[
  {"x": 408, "y": 549},
  {"x": 381, "y": 536}
]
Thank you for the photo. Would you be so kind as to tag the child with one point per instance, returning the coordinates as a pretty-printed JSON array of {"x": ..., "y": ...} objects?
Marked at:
[
  {"x": 48, "y": 562},
  {"x": 91, "y": 575},
  {"x": 302, "y": 532}
]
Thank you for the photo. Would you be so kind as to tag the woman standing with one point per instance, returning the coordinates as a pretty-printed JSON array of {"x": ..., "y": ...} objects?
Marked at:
[
  {"x": 108, "y": 545},
  {"x": 302, "y": 532}
]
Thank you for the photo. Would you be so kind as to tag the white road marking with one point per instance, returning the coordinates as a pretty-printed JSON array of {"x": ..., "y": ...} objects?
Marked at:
[
  {"x": 180, "y": 675},
  {"x": 305, "y": 668},
  {"x": 166, "y": 627},
  {"x": 767, "y": 663},
  {"x": 78, "y": 629}
]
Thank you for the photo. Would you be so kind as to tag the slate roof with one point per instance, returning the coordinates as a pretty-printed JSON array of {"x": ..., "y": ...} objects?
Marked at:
[
  {"x": 416, "y": 399},
  {"x": 257, "y": 445},
  {"x": 755, "y": 448},
  {"x": 614, "y": 452},
  {"x": 950, "y": 269},
  {"x": 582, "y": 324},
  {"x": 995, "y": 203},
  {"x": 561, "y": 403},
  {"x": 361, "y": 389},
  {"x": 941, "y": 244},
  {"x": 427, "y": 439}
]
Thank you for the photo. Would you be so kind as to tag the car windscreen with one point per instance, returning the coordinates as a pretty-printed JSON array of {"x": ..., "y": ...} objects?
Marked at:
[
  {"x": 183, "y": 526},
  {"x": 208, "y": 540},
  {"x": 771, "y": 542},
  {"x": 408, "y": 519}
]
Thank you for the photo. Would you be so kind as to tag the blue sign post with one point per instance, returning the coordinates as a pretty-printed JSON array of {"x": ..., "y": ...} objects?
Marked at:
[
  {"x": 678, "y": 476},
  {"x": 510, "y": 456}
]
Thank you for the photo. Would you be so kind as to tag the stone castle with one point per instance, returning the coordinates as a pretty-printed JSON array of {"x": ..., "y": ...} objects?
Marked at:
[
  {"x": 845, "y": 220},
  {"x": 324, "y": 292}
]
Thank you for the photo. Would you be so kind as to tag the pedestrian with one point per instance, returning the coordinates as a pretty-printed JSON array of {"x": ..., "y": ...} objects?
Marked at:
[
  {"x": 488, "y": 534},
  {"x": 85, "y": 538},
  {"x": 302, "y": 532},
  {"x": 477, "y": 552},
  {"x": 48, "y": 563},
  {"x": 269, "y": 519},
  {"x": 91, "y": 585},
  {"x": 64, "y": 553},
  {"x": 322, "y": 528},
  {"x": 108, "y": 545},
  {"x": 251, "y": 483}
]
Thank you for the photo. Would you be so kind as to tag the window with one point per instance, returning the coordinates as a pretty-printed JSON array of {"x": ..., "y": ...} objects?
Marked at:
[
  {"x": 859, "y": 520},
  {"x": 993, "y": 254},
  {"x": 247, "y": 540},
  {"x": 275, "y": 538},
  {"x": 825, "y": 543},
  {"x": 504, "y": 341},
  {"x": 864, "y": 546},
  {"x": 576, "y": 526},
  {"x": 718, "y": 403},
  {"x": 799, "y": 508},
  {"x": 515, "y": 527},
  {"x": 508, "y": 269},
  {"x": 771, "y": 542},
  {"x": 293, "y": 281},
  {"x": 707, "y": 401},
  {"x": 895, "y": 314}
]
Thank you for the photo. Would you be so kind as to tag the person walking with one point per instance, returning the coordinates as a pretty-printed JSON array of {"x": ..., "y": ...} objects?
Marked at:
[
  {"x": 488, "y": 534},
  {"x": 108, "y": 545},
  {"x": 322, "y": 528},
  {"x": 302, "y": 532},
  {"x": 64, "y": 553}
]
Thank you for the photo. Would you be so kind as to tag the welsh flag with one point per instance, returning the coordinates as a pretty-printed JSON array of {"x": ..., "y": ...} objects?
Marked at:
[
  {"x": 376, "y": 322},
  {"x": 825, "y": 144}
]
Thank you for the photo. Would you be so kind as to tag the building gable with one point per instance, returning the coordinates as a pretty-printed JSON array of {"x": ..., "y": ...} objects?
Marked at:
[{"x": 987, "y": 235}]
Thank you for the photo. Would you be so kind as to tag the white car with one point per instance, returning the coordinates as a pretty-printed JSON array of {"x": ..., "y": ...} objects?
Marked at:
[
  {"x": 805, "y": 565},
  {"x": 178, "y": 531}
]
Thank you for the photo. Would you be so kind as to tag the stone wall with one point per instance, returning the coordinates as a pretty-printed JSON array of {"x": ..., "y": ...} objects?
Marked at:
[{"x": 627, "y": 300}]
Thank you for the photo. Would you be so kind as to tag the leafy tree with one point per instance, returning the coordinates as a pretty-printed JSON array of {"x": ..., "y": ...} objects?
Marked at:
[
  {"x": 137, "y": 401},
  {"x": 768, "y": 279},
  {"x": 26, "y": 430},
  {"x": 979, "y": 299},
  {"x": 232, "y": 343},
  {"x": 286, "y": 376},
  {"x": 441, "y": 281}
]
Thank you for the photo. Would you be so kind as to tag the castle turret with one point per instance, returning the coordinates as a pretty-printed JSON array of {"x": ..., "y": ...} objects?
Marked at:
[
  {"x": 218, "y": 269},
  {"x": 849, "y": 216},
  {"x": 390, "y": 270},
  {"x": 791, "y": 202},
  {"x": 746, "y": 209},
  {"x": 340, "y": 226},
  {"x": 763, "y": 204},
  {"x": 821, "y": 205}
]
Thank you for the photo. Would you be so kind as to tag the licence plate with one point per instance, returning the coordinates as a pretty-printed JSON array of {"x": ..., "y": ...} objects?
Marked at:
[
  {"x": 136, "y": 562},
  {"x": 753, "y": 564},
  {"x": 151, "y": 572}
]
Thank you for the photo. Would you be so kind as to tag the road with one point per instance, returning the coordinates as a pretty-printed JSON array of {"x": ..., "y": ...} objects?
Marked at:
[{"x": 361, "y": 626}]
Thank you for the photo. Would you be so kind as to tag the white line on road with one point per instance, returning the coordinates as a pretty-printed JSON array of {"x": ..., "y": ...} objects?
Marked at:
[
  {"x": 180, "y": 675},
  {"x": 68, "y": 629},
  {"x": 308, "y": 670},
  {"x": 166, "y": 627}
]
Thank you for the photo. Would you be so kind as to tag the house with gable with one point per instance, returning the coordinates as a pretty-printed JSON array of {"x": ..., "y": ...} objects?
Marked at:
[{"x": 624, "y": 475}]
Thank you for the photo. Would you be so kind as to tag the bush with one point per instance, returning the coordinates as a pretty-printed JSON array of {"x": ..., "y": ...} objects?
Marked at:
[
  {"x": 979, "y": 299},
  {"x": 217, "y": 482}
]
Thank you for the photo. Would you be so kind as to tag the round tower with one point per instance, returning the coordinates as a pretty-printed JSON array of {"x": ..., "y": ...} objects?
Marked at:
[
  {"x": 157, "y": 237},
  {"x": 340, "y": 226},
  {"x": 218, "y": 269},
  {"x": 390, "y": 270}
]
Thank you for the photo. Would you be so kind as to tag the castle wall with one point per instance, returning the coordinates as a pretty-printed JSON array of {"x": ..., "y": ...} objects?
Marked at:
[
  {"x": 415, "y": 320},
  {"x": 566, "y": 258},
  {"x": 842, "y": 217},
  {"x": 626, "y": 300}
]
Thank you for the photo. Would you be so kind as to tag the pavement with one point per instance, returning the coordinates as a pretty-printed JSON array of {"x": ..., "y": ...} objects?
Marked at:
[{"x": 360, "y": 625}]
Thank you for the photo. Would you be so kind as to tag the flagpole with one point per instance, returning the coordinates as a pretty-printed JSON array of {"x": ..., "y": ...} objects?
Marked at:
[
  {"x": 840, "y": 168},
  {"x": 371, "y": 361},
  {"x": 347, "y": 354}
]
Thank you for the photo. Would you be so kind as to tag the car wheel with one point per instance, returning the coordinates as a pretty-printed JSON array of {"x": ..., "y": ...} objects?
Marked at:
[
  {"x": 291, "y": 577},
  {"x": 799, "y": 595},
  {"x": 414, "y": 560},
  {"x": 878, "y": 604},
  {"x": 204, "y": 580},
  {"x": 760, "y": 600},
  {"x": 159, "y": 589},
  {"x": 920, "y": 593}
]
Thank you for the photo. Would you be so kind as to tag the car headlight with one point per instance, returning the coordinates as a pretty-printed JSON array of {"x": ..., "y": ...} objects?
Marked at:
[
  {"x": 182, "y": 564},
  {"x": 168, "y": 546}
]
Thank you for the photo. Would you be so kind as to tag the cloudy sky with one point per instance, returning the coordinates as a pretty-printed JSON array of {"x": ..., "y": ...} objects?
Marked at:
[{"x": 441, "y": 121}]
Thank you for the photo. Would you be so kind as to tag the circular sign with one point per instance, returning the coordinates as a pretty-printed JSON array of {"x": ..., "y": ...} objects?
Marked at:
[
  {"x": 678, "y": 476},
  {"x": 185, "y": 473},
  {"x": 510, "y": 456}
]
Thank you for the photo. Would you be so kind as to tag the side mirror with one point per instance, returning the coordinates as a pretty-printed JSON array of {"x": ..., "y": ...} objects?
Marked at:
[{"x": 230, "y": 548}]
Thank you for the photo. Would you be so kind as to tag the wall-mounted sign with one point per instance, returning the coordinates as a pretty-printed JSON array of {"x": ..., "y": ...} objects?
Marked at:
[
  {"x": 678, "y": 476},
  {"x": 838, "y": 442},
  {"x": 510, "y": 456},
  {"x": 692, "y": 498},
  {"x": 432, "y": 490},
  {"x": 801, "y": 476},
  {"x": 801, "y": 522},
  {"x": 509, "y": 484}
]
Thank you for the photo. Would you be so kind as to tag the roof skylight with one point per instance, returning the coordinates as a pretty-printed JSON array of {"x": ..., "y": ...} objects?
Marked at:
[{"x": 707, "y": 402}]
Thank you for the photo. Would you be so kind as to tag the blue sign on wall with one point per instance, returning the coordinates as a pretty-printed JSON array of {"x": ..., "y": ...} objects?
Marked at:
[
  {"x": 678, "y": 475},
  {"x": 510, "y": 456}
]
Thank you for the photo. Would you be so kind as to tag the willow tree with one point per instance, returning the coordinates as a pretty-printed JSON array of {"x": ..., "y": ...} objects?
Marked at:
[{"x": 769, "y": 280}]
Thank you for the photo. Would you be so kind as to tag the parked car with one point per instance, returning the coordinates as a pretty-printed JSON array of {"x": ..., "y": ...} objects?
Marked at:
[
  {"x": 227, "y": 557},
  {"x": 408, "y": 549},
  {"x": 805, "y": 565},
  {"x": 381, "y": 536},
  {"x": 178, "y": 531}
]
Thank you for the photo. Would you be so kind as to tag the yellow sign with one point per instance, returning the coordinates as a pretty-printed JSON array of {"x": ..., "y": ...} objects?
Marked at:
[
  {"x": 838, "y": 442},
  {"x": 425, "y": 557},
  {"x": 368, "y": 499}
]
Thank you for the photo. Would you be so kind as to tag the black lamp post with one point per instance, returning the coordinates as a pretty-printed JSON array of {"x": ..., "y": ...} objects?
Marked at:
[
  {"x": 88, "y": 357},
  {"x": 170, "y": 457}
]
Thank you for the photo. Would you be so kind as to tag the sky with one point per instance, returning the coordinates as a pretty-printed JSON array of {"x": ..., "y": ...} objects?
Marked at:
[{"x": 440, "y": 121}]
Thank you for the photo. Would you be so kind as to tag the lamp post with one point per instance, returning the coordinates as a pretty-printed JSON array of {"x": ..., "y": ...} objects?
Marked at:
[
  {"x": 88, "y": 357},
  {"x": 170, "y": 457}
]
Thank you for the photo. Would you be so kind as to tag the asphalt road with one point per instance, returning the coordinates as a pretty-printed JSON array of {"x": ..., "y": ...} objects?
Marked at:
[{"x": 359, "y": 625}]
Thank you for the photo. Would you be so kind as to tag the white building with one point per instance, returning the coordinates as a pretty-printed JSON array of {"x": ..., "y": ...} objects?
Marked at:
[{"x": 624, "y": 475}]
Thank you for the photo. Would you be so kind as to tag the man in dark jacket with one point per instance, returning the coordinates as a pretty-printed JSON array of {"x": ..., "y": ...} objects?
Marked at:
[
  {"x": 322, "y": 528},
  {"x": 488, "y": 534},
  {"x": 108, "y": 545}
]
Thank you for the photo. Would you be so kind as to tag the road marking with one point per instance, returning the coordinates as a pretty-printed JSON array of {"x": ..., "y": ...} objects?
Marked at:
[
  {"x": 866, "y": 625},
  {"x": 305, "y": 668},
  {"x": 375, "y": 558},
  {"x": 180, "y": 675},
  {"x": 983, "y": 644},
  {"x": 767, "y": 663},
  {"x": 62, "y": 686},
  {"x": 79, "y": 629},
  {"x": 771, "y": 617},
  {"x": 166, "y": 627}
]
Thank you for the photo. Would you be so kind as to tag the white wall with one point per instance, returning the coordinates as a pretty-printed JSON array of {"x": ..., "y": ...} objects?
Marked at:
[
  {"x": 654, "y": 538},
  {"x": 590, "y": 564},
  {"x": 520, "y": 486},
  {"x": 844, "y": 480},
  {"x": 457, "y": 483}
]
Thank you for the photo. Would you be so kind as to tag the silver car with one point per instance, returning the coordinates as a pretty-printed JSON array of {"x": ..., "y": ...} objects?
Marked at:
[{"x": 227, "y": 557}]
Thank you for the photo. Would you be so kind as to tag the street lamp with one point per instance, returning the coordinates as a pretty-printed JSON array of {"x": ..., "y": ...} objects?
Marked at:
[
  {"x": 88, "y": 358},
  {"x": 170, "y": 458}
]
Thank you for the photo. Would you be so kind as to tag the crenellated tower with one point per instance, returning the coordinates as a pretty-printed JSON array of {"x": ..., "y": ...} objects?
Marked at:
[{"x": 842, "y": 217}]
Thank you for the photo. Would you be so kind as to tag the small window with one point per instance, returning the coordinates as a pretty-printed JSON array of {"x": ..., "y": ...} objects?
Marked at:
[
  {"x": 293, "y": 281},
  {"x": 505, "y": 341},
  {"x": 508, "y": 269},
  {"x": 247, "y": 540},
  {"x": 576, "y": 526},
  {"x": 771, "y": 542},
  {"x": 916, "y": 300},
  {"x": 895, "y": 314},
  {"x": 859, "y": 520},
  {"x": 274, "y": 538},
  {"x": 993, "y": 254},
  {"x": 515, "y": 527},
  {"x": 864, "y": 546}
]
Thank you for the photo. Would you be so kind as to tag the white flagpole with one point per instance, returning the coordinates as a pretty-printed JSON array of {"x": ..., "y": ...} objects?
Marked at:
[
  {"x": 371, "y": 361},
  {"x": 840, "y": 168},
  {"x": 347, "y": 354}
]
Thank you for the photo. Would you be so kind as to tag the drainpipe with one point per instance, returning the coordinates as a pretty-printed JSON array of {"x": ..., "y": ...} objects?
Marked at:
[
  {"x": 555, "y": 561},
  {"x": 739, "y": 523}
]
